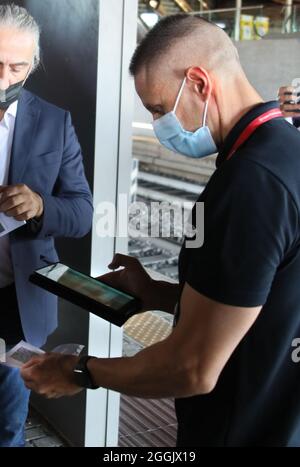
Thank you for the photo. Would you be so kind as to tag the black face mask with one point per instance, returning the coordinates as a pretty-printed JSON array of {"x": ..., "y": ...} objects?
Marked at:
[{"x": 10, "y": 95}]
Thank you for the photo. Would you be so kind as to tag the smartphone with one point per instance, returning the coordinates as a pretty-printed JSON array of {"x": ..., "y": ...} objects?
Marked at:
[{"x": 80, "y": 289}]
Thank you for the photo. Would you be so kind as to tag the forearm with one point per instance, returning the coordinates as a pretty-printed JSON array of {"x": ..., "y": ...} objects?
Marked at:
[
  {"x": 68, "y": 210},
  {"x": 152, "y": 373},
  {"x": 66, "y": 216},
  {"x": 163, "y": 296}
]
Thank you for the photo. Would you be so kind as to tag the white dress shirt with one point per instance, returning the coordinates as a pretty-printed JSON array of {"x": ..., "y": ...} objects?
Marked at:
[{"x": 7, "y": 126}]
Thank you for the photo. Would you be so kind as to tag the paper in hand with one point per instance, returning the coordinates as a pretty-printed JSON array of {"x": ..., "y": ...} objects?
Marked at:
[
  {"x": 23, "y": 352},
  {"x": 8, "y": 224}
]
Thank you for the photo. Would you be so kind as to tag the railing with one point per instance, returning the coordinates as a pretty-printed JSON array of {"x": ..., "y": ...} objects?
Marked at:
[
  {"x": 241, "y": 22},
  {"x": 255, "y": 22}
]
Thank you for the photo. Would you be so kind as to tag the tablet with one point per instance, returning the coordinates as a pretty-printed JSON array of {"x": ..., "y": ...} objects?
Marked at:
[{"x": 98, "y": 298}]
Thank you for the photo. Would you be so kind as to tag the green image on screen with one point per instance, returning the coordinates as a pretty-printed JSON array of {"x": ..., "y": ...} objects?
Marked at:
[{"x": 87, "y": 286}]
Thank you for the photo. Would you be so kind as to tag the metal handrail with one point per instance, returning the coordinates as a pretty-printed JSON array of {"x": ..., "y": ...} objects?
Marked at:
[
  {"x": 225, "y": 10},
  {"x": 287, "y": 22},
  {"x": 184, "y": 5}
]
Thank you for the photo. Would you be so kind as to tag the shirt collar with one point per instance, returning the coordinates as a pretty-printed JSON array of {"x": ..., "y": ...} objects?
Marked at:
[
  {"x": 240, "y": 127},
  {"x": 11, "y": 112},
  {"x": 12, "y": 109}
]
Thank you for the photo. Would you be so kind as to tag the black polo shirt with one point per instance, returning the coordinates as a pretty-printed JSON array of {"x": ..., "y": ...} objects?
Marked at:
[{"x": 251, "y": 257}]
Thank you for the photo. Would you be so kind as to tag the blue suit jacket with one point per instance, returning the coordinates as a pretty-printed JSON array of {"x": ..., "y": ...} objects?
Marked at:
[
  {"x": 47, "y": 157},
  {"x": 296, "y": 122}
]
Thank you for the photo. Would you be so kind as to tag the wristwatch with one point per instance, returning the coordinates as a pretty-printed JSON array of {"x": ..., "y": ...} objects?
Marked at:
[{"x": 82, "y": 376}]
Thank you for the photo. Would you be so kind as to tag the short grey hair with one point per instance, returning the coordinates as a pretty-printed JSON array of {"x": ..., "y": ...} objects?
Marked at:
[{"x": 17, "y": 17}]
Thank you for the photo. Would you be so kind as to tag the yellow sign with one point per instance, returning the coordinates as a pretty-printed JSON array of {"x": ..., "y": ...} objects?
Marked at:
[
  {"x": 253, "y": 27},
  {"x": 247, "y": 28},
  {"x": 261, "y": 26}
]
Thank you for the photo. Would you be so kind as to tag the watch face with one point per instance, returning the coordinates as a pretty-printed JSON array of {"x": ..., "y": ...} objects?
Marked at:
[
  {"x": 79, "y": 377},
  {"x": 82, "y": 375}
]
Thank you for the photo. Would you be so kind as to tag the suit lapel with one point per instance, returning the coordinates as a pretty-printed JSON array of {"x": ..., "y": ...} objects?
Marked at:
[{"x": 25, "y": 130}]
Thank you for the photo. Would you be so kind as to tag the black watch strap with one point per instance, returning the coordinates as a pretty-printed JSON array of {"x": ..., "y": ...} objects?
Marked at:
[{"x": 82, "y": 376}]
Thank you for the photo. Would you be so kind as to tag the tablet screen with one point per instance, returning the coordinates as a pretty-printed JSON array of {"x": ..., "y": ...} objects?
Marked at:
[{"x": 86, "y": 285}]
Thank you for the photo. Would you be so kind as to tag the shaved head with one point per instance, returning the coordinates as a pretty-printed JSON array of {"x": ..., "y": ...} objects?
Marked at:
[
  {"x": 181, "y": 41},
  {"x": 187, "y": 47}
]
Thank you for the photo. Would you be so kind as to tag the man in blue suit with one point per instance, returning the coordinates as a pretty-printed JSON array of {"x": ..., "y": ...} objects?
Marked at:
[{"x": 42, "y": 182}]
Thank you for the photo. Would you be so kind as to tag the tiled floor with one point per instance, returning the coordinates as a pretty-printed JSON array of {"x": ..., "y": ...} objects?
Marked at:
[
  {"x": 147, "y": 328},
  {"x": 39, "y": 434},
  {"x": 146, "y": 423}
]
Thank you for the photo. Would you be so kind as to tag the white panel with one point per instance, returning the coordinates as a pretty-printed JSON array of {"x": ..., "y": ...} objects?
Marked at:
[
  {"x": 107, "y": 122},
  {"x": 117, "y": 35},
  {"x": 124, "y": 182}
]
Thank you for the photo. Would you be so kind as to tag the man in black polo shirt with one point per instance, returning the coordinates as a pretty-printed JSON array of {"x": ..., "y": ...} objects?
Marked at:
[{"x": 228, "y": 361}]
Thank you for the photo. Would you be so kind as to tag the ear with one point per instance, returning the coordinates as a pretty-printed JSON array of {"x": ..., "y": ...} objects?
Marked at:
[{"x": 200, "y": 79}]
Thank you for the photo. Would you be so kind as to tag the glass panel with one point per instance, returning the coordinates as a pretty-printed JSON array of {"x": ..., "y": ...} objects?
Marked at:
[{"x": 256, "y": 21}]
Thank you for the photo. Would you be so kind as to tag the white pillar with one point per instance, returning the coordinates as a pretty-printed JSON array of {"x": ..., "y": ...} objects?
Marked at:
[
  {"x": 288, "y": 17},
  {"x": 237, "y": 20},
  {"x": 115, "y": 103}
]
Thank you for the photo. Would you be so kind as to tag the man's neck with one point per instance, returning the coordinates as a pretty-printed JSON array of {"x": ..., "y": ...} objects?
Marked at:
[
  {"x": 235, "y": 104},
  {"x": 2, "y": 113}
]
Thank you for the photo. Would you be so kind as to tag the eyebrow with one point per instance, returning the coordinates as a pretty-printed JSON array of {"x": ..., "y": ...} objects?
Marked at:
[{"x": 16, "y": 64}]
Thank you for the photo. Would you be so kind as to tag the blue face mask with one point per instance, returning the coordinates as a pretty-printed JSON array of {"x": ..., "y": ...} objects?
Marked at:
[{"x": 173, "y": 136}]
